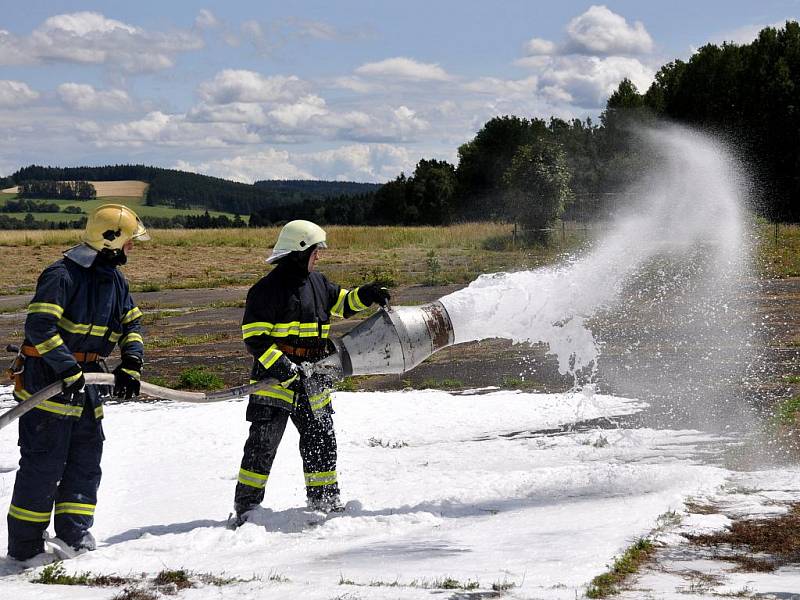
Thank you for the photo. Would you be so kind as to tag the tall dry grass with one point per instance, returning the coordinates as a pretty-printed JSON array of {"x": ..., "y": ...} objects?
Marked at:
[
  {"x": 181, "y": 258},
  {"x": 466, "y": 235}
]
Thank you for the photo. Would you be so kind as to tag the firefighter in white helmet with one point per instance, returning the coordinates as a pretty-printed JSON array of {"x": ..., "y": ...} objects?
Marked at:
[
  {"x": 80, "y": 312},
  {"x": 287, "y": 322}
]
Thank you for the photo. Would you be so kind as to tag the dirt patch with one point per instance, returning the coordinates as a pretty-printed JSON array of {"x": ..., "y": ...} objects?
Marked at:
[{"x": 776, "y": 539}]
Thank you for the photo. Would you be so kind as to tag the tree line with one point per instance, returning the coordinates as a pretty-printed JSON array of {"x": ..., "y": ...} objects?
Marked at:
[
  {"x": 64, "y": 190},
  {"x": 525, "y": 170},
  {"x": 181, "y": 189},
  {"x": 32, "y": 206},
  {"x": 203, "y": 221},
  {"x": 30, "y": 222}
]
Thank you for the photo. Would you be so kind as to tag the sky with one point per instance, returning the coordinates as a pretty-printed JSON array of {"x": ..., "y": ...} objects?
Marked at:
[{"x": 351, "y": 90}]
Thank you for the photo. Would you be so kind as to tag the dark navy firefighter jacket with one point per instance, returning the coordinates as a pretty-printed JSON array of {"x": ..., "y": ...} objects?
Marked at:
[
  {"x": 291, "y": 308},
  {"x": 77, "y": 309}
]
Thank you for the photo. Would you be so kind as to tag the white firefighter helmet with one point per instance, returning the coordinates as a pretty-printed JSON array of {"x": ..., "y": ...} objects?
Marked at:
[
  {"x": 111, "y": 226},
  {"x": 297, "y": 236}
]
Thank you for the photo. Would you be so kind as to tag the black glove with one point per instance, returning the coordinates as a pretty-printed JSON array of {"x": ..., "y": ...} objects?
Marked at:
[
  {"x": 292, "y": 378},
  {"x": 374, "y": 292},
  {"x": 127, "y": 376},
  {"x": 72, "y": 384}
]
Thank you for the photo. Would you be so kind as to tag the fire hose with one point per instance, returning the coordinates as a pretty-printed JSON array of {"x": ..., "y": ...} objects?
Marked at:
[
  {"x": 391, "y": 341},
  {"x": 150, "y": 389}
]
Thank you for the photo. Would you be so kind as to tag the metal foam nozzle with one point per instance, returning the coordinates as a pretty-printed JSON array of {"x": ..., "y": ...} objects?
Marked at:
[{"x": 391, "y": 341}]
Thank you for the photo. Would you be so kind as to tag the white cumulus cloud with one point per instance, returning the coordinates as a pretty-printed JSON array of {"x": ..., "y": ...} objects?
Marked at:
[
  {"x": 539, "y": 46},
  {"x": 600, "y": 31},
  {"x": 601, "y": 49},
  {"x": 298, "y": 114},
  {"x": 268, "y": 164},
  {"x": 16, "y": 93},
  {"x": 352, "y": 162},
  {"x": 91, "y": 38},
  {"x": 359, "y": 162},
  {"x": 239, "y": 85},
  {"x": 587, "y": 81},
  {"x": 233, "y": 112},
  {"x": 84, "y": 97},
  {"x": 404, "y": 68},
  {"x": 171, "y": 130}
]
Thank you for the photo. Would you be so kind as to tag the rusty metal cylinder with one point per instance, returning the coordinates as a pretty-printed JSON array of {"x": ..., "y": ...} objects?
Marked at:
[{"x": 391, "y": 341}]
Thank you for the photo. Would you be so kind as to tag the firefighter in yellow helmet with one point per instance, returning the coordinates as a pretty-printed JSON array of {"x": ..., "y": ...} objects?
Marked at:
[
  {"x": 80, "y": 312},
  {"x": 287, "y": 322}
]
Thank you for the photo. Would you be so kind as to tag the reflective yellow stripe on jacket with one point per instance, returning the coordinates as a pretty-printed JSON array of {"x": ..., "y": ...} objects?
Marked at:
[
  {"x": 67, "y": 410},
  {"x": 130, "y": 339},
  {"x": 82, "y": 328},
  {"x": 47, "y": 308},
  {"x": 270, "y": 356},
  {"x": 355, "y": 302},
  {"x": 338, "y": 307},
  {"x": 276, "y": 391},
  {"x": 131, "y": 315},
  {"x": 280, "y": 330},
  {"x": 47, "y": 345}
]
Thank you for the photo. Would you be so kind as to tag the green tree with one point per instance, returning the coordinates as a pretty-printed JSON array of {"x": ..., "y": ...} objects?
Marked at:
[
  {"x": 431, "y": 191},
  {"x": 484, "y": 160},
  {"x": 537, "y": 187}
]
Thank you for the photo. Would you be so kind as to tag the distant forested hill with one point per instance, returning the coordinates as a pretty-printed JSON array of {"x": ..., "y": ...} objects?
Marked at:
[
  {"x": 182, "y": 189},
  {"x": 302, "y": 189}
]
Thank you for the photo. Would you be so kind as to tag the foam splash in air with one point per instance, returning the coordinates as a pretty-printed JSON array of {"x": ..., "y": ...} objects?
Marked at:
[{"x": 686, "y": 208}]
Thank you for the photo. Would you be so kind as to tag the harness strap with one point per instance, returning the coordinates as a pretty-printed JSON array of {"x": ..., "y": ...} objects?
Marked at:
[{"x": 81, "y": 357}]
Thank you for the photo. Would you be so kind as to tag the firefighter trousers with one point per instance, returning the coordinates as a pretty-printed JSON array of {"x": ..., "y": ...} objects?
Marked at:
[
  {"x": 317, "y": 449},
  {"x": 59, "y": 466}
]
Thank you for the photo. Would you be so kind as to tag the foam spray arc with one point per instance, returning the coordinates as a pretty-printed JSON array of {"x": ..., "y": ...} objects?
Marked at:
[{"x": 680, "y": 248}]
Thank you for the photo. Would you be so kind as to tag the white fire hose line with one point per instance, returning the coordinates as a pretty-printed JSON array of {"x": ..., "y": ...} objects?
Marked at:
[{"x": 150, "y": 389}]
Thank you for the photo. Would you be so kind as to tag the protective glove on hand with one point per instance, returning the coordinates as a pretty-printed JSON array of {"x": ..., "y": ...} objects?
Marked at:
[
  {"x": 374, "y": 292},
  {"x": 72, "y": 384},
  {"x": 127, "y": 376},
  {"x": 294, "y": 373}
]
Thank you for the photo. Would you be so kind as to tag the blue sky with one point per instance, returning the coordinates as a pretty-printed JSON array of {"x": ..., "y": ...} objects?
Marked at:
[{"x": 326, "y": 90}]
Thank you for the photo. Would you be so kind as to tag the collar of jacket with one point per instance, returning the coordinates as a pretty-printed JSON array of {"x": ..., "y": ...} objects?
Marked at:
[
  {"x": 81, "y": 254},
  {"x": 292, "y": 270}
]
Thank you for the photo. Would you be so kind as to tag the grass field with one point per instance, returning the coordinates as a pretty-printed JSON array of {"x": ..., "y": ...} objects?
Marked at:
[
  {"x": 137, "y": 204},
  {"x": 398, "y": 255},
  {"x": 217, "y": 258},
  {"x": 129, "y": 193}
]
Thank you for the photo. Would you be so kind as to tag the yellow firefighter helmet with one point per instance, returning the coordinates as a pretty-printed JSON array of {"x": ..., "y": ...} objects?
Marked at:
[{"x": 111, "y": 226}]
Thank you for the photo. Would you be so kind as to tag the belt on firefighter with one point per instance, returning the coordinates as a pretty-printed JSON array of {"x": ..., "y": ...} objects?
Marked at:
[
  {"x": 81, "y": 357},
  {"x": 301, "y": 352}
]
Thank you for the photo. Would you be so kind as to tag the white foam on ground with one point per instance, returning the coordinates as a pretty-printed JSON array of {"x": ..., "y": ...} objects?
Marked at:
[{"x": 448, "y": 486}]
